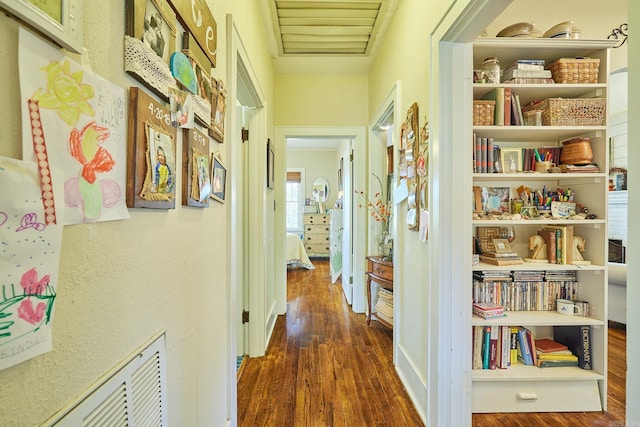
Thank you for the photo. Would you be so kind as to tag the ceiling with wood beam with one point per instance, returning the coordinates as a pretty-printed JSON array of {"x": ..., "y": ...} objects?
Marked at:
[{"x": 334, "y": 28}]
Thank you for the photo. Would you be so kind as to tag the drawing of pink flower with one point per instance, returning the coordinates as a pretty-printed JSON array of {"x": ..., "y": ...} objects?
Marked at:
[
  {"x": 31, "y": 284},
  {"x": 27, "y": 313}
]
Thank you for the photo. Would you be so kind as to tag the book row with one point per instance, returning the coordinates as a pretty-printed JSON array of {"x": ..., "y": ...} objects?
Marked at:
[
  {"x": 499, "y": 347},
  {"x": 524, "y": 296},
  {"x": 489, "y": 157}
]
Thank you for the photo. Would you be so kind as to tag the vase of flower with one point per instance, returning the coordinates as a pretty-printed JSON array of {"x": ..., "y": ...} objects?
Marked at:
[{"x": 384, "y": 244}]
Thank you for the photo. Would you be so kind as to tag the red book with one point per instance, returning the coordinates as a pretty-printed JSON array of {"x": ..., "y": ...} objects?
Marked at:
[{"x": 547, "y": 345}]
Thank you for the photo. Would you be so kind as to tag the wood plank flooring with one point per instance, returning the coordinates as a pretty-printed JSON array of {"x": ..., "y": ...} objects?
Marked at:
[{"x": 325, "y": 367}]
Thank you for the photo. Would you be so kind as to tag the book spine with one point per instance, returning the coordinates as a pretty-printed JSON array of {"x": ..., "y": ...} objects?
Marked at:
[
  {"x": 507, "y": 106},
  {"x": 490, "y": 159},
  {"x": 478, "y": 332},
  {"x": 483, "y": 168},
  {"x": 493, "y": 347},
  {"x": 505, "y": 348},
  {"x": 523, "y": 344},
  {"x": 486, "y": 344},
  {"x": 513, "y": 332}
]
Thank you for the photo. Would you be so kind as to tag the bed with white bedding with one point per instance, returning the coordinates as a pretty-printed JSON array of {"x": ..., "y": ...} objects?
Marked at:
[{"x": 296, "y": 254}]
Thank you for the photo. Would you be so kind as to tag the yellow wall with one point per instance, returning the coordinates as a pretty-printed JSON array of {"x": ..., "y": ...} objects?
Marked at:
[
  {"x": 321, "y": 100},
  {"x": 122, "y": 281}
]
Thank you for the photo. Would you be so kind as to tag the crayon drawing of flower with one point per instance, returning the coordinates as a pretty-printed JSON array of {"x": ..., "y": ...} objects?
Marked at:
[
  {"x": 86, "y": 190},
  {"x": 65, "y": 92}
]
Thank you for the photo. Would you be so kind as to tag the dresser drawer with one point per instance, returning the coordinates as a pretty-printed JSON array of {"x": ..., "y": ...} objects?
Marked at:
[
  {"x": 535, "y": 396},
  {"x": 316, "y": 229},
  {"x": 317, "y": 248},
  {"x": 321, "y": 239},
  {"x": 381, "y": 270},
  {"x": 317, "y": 219}
]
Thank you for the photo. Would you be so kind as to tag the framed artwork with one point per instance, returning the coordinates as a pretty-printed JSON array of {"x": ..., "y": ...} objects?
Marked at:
[
  {"x": 152, "y": 26},
  {"x": 411, "y": 134},
  {"x": 218, "y": 179},
  {"x": 271, "y": 174},
  {"x": 201, "y": 65},
  {"x": 218, "y": 110},
  {"x": 196, "y": 179},
  {"x": 151, "y": 153},
  {"x": 60, "y": 20},
  {"x": 511, "y": 159}
]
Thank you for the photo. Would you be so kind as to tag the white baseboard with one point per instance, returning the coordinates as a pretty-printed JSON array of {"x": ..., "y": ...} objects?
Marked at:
[{"x": 413, "y": 383}]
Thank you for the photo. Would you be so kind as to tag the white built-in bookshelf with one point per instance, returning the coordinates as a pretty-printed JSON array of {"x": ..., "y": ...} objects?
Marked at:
[{"x": 523, "y": 388}]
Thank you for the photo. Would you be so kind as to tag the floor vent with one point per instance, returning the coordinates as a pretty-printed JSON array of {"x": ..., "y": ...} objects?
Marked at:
[{"x": 131, "y": 394}]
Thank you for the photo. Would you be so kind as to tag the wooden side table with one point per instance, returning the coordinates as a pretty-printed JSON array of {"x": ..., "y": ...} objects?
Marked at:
[{"x": 381, "y": 272}]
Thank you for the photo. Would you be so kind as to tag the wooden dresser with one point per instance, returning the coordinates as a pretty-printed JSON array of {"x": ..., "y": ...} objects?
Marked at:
[
  {"x": 316, "y": 234},
  {"x": 381, "y": 272}
]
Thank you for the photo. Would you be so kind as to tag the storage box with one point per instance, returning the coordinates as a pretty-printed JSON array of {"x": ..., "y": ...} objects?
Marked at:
[
  {"x": 575, "y": 70},
  {"x": 572, "y": 112},
  {"x": 483, "y": 112}
]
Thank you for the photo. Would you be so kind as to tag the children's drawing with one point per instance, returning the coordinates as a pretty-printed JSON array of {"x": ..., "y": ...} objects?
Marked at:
[
  {"x": 29, "y": 259},
  {"x": 81, "y": 122}
]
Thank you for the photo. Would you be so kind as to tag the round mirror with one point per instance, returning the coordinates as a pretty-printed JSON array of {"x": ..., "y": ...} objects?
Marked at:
[{"x": 320, "y": 189}]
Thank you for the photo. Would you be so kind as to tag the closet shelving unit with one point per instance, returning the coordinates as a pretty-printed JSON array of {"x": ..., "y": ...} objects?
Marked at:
[{"x": 529, "y": 388}]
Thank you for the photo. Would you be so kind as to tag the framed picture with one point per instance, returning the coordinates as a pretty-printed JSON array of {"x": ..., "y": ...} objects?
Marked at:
[
  {"x": 218, "y": 179},
  {"x": 196, "y": 173},
  {"x": 60, "y": 20},
  {"x": 218, "y": 109},
  {"x": 511, "y": 159},
  {"x": 151, "y": 153},
  {"x": 271, "y": 173}
]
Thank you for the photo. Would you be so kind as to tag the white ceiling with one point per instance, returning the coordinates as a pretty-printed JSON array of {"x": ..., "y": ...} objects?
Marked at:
[{"x": 318, "y": 36}]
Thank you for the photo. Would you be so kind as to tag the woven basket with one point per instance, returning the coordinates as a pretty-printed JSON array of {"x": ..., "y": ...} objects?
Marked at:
[
  {"x": 575, "y": 70},
  {"x": 572, "y": 112},
  {"x": 576, "y": 151},
  {"x": 483, "y": 112}
]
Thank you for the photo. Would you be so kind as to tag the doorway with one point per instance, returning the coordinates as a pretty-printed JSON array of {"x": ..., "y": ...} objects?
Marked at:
[{"x": 354, "y": 221}]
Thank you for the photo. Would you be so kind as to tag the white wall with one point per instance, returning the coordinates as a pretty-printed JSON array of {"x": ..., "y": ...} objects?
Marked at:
[
  {"x": 117, "y": 287},
  {"x": 316, "y": 163}
]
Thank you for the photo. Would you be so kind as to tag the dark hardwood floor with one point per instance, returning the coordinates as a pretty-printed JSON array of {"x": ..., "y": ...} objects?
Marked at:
[{"x": 325, "y": 367}]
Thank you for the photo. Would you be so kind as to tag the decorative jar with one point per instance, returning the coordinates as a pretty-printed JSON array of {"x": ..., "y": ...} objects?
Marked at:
[{"x": 491, "y": 70}]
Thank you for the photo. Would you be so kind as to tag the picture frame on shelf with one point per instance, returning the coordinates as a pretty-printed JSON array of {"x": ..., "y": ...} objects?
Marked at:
[
  {"x": 511, "y": 159},
  {"x": 218, "y": 110},
  {"x": 59, "y": 20},
  {"x": 218, "y": 179}
]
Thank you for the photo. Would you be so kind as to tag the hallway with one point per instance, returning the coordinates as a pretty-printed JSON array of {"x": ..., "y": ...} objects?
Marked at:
[{"x": 324, "y": 366}]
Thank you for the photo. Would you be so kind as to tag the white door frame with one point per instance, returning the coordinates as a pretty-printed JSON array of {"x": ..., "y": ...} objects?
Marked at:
[
  {"x": 376, "y": 159},
  {"x": 449, "y": 350},
  {"x": 243, "y": 85},
  {"x": 359, "y": 137}
]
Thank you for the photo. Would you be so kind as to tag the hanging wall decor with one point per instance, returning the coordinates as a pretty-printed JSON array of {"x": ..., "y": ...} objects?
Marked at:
[
  {"x": 151, "y": 168},
  {"x": 196, "y": 16},
  {"x": 201, "y": 65},
  {"x": 219, "y": 102},
  {"x": 149, "y": 43},
  {"x": 218, "y": 179},
  {"x": 412, "y": 137},
  {"x": 196, "y": 180}
]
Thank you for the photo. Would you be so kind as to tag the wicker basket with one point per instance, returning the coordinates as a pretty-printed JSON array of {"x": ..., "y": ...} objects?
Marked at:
[
  {"x": 575, "y": 70},
  {"x": 483, "y": 112},
  {"x": 572, "y": 112}
]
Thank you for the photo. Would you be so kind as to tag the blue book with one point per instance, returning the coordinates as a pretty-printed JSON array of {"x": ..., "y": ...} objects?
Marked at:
[{"x": 523, "y": 344}]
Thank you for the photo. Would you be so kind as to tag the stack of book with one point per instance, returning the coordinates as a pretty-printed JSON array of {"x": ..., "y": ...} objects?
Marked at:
[
  {"x": 527, "y": 71},
  {"x": 586, "y": 168},
  {"x": 501, "y": 258},
  {"x": 384, "y": 306},
  {"x": 551, "y": 354},
  {"x": 488, "y": 310}
]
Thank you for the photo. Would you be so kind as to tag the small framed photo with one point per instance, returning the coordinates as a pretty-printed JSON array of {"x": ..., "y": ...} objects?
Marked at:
[
  {"x": 218, "y": 179},
  {"x": 511, "y": 159},
  {"x": 218, "y": 110},
  {"x": 501, "y": 246}
]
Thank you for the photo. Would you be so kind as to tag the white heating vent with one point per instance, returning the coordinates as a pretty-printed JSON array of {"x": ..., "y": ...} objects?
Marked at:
[{"x": 132, "y": 394}]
